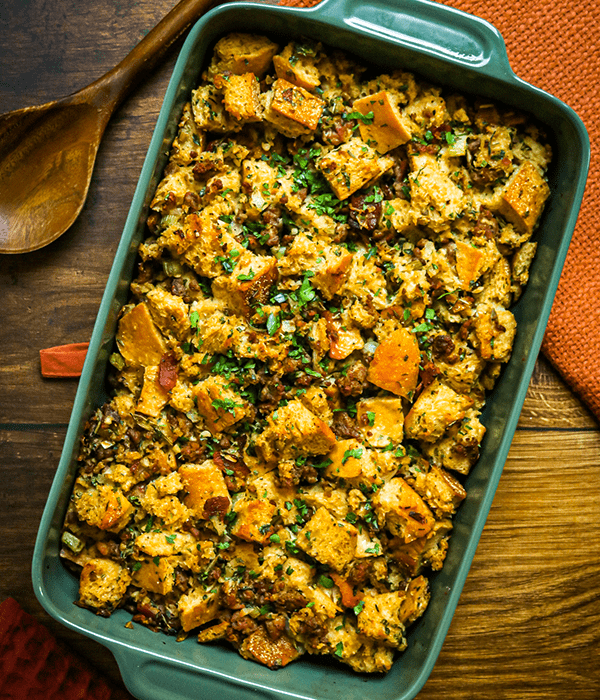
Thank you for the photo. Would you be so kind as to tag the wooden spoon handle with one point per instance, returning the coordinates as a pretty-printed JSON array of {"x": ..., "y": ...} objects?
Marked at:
[{"x": 108, "y": 91}]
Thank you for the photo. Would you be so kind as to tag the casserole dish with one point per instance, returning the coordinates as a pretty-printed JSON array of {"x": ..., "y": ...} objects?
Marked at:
[{"x": 449, "y": 48}]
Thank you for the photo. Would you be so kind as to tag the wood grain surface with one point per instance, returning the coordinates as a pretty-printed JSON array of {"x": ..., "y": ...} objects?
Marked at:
[{"x": 528, "y": 623}]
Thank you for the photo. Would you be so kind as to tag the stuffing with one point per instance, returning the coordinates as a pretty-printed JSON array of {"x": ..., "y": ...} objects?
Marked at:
[
  {"x": 138, "y": 339},
  {"x": 241, "y": 95},
  {"x": 524, "y": 197},
  {"x": 293, "y": 102},
  {"x": 297, "y": 64},
  {"x": 241, "y": 53},
  {"x": 321, "y": 303},
  {"x": 437, "y": 407},
  {"x": 382, "y": 125},
  {"x": 206, "y": 489}
]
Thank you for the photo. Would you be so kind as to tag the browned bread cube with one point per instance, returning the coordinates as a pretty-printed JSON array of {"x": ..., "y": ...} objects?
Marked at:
[
  {"x": 524, "y": 198},
  {"x": 382, "y": 126},
  {"x": 296, "y": 103},
  {"x": 351, "y": 166},
  {"x": 241, "y": 95},
  {"x": 138, "y": 339},
  {"x": 245, "y": 53}
]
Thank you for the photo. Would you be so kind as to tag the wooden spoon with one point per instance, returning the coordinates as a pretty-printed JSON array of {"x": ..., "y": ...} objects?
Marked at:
[{"x": 47, "y": 153}]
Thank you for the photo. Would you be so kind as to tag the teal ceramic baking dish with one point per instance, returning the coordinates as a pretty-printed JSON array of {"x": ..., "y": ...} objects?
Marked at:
[{"x": 449, "y": 48}]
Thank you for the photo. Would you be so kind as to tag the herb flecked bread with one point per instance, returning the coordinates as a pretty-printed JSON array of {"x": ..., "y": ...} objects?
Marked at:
[{"x": 321, "y": 304}]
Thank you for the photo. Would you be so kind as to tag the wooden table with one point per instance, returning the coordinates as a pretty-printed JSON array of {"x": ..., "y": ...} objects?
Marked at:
[{"x": 528, "y": 622}]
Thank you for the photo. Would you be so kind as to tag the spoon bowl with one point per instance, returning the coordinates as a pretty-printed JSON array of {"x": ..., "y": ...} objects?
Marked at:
[{"x": 47, "y": 156}]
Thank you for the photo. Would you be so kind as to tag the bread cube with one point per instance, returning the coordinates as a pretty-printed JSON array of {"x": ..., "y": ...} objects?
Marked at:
[
  {"x": 296, "y": 103},
  {"x": 318, "y": 338},
  {"x": 207, "y": 493},
  {"x": 168, "y": 508},
  {"x": 430, "y": 550},
  {"x": 433, "y": 192},
  {"x": 284, "y": 125},
  {"x": 189, "y": 142},
  {"x": 297, "y": 68},
  {"x": 260, "y": 182},
  {"x": 318, "y": 403},
  {"x": 300, "y": 255},
  {"x": 155, "y": 576},
  {"x": 209, "y": 110},
  {"x": 524, "y": 197},
  {"x": 241, "y": 95},
  {"x": 138, "y": 339},
  {"x": 442, "y": 491},
  {"x": 395, "y": 364},
  {"x": 381, "y": 420},
  {"x": 272, "y": 653},
  {"x": 383, "y": 126},
  {"x": 343, "y": 337},
  {"x": 332, "y": 270},
  {"x": 459, "y": 449},
  {"x": 220, "y": 406},
  {"x": 436, "y": 408},
  {"x": 153, "y": 397},
  {"x": 211, "y": 244},
  {"x": 521, "y": 262},
  {"x": 214, "y": 632},
  {"x": 328, "y": 540},
  {"x": 415, "y": 601},
  {"x": 469, "y": 263},
  {"x": 253, "y": 521},
  {"x": 495, "y": 330},
  {"x": 248, "y": 286},
  {"x": 293, "y": 431},
  {"x": 404, "y": 512},
  {"x": 164, "y": 543},
  {"x": 169, "y": 312},
  {"x": 351, "y": 461},
  {"x": 104, "y": 507},
  {"x": 379, "y": 618},
  {"x": 351, "y": 166},
  {"x": 198, "y": 606},
  {"x": 102, "y": 584},
  {"x": 242, "y": 53}
]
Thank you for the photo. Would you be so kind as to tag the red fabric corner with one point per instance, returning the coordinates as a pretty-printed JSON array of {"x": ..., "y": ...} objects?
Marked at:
[{"x": 36, "y": 666}]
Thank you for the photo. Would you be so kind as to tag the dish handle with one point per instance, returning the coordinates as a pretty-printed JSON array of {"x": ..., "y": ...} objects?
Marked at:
[
  {"x": 148, "y": 676},
  {"x": 427, "y": 27}
]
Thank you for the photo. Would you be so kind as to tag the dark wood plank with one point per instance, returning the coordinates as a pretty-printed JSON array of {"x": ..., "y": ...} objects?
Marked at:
[{"x": 51, "y": 50}]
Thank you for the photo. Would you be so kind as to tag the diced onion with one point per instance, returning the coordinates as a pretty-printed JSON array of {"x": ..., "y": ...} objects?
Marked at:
[{"x": 370, "y": 346}]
